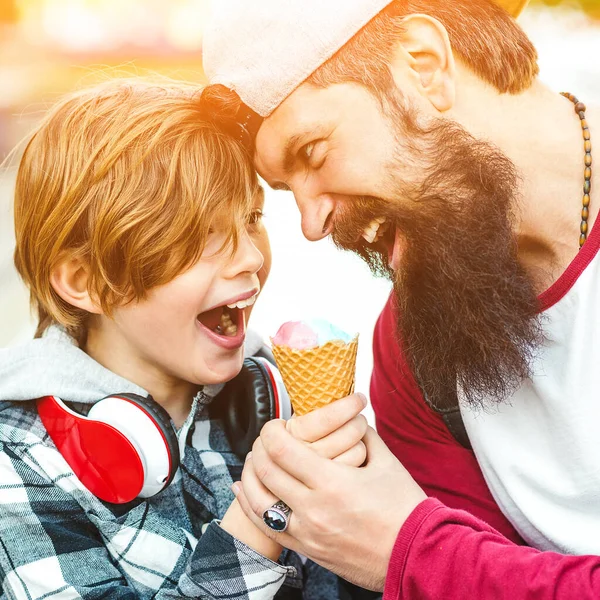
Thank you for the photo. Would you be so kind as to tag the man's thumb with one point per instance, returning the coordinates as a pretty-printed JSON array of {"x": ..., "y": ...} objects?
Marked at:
[{"x": 376, "y": 448}]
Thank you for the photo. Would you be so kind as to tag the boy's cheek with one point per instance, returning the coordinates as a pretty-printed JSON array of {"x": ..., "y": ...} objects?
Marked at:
[{"x": 263, "y": 245}]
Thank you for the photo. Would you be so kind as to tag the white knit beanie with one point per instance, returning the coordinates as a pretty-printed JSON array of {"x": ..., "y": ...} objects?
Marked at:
[{"x": 264, "y": 49}]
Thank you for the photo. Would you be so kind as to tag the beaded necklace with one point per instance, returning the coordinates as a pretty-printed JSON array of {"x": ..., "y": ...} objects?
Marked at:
[{"x": 587, "y": 175}]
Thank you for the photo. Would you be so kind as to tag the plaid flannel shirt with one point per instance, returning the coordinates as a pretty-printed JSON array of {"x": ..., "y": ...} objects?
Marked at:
[{"x": 58, "y": 541}]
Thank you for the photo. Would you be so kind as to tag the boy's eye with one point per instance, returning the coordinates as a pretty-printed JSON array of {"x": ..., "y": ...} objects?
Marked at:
[{"x": 255, "y": 216}]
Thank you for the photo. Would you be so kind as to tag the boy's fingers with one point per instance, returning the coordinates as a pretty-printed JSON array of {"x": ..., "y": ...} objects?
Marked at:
[
  {"x": 323, "y": 421},
  {"x": 346, "y": 437}
]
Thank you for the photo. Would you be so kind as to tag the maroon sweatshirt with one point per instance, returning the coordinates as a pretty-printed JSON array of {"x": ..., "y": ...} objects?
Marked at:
[{"x": 457, "y": 544}]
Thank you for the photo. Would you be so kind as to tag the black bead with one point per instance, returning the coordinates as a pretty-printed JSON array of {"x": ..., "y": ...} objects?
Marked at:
[{"x": 274, "y": 520}]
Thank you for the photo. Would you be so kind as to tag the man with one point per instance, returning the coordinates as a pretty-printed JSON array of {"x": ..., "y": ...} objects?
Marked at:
[{"x": 416, "y": 133}]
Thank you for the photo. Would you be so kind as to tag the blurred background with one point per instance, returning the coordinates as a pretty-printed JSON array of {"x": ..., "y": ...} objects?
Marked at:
[{"x": 48, "y": 47}]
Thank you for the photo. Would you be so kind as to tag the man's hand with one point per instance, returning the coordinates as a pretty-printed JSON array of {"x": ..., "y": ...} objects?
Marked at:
[
  {"x": 335, "y": 431},
  {"x": 344, "y": 518}
]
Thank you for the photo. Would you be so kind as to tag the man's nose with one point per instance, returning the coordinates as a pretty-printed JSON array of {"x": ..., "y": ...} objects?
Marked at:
[{"x": 317, "y": 216}]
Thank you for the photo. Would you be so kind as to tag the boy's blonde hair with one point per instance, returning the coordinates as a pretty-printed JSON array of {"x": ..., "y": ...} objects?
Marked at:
[{"x": 130, "y": 176}]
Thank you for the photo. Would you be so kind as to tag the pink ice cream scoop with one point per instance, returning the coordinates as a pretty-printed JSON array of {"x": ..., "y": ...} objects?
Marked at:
[
  {"x": 302, "y": 335},
  {"x": 296, "y": 334}
]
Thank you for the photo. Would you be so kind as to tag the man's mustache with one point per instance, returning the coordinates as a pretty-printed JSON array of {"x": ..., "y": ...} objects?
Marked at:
[
  {"x": 353, "y": 218},
  {"x": 350, "y": 224}
]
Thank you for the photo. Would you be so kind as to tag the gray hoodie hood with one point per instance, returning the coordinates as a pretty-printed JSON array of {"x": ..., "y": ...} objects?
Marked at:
[{"x": 55, "y": 366}]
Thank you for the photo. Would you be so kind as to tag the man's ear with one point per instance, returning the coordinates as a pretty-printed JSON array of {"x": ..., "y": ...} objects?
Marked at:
[
  {"x": 425, "y": 55},
  {"x": 70, "y": 280}
]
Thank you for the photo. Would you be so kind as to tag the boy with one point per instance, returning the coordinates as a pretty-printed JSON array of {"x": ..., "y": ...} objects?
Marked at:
[{"x": 139, "y": 235}]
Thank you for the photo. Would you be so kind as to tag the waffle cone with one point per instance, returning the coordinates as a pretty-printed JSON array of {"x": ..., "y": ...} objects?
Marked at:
[{"x": 317, "y": 376}]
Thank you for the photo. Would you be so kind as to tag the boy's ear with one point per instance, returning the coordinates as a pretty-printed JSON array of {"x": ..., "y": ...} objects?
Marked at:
[{"x": 70, "y": 281}]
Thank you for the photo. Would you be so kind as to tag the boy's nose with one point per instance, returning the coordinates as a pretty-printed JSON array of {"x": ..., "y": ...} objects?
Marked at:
[{"x": 248, "y": 258}]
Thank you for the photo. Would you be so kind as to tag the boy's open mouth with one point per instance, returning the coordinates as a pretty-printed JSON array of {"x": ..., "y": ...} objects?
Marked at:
[{"x": 221, "y": 320}]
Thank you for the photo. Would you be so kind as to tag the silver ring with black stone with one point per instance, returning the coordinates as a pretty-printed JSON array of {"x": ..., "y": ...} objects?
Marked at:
[{"x": 277, "y": 517}]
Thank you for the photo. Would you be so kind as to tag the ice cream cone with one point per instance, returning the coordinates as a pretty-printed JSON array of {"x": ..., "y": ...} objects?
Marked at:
[{"x": 318, "y": 376}]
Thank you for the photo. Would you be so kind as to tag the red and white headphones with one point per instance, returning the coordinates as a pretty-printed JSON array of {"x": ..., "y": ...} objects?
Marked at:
[{"x": 126, "y": 447}]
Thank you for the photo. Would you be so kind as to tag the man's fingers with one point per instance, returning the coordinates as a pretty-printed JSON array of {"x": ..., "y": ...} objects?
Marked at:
[
  {"x": 279, "y": 448},
  {"x": 323, "y": 421},
  {"x": 354, "y": 457},
  {"x": 259, "y": 496},
  {"x": 285, "y": 539},
  {"x": 273, "y": 477},
  {"x": 342, "y": 440},
  {"x": 377, "y": 451}
]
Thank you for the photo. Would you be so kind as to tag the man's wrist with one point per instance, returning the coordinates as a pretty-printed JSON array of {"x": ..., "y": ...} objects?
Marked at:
[{"x": 402, "y": 545}]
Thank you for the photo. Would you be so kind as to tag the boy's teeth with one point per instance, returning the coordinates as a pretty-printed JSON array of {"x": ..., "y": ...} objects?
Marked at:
[
  {"x": 226, "y": 327},
  {"x": 371, "y": 231},
  {"x": 243, "y": 303}
]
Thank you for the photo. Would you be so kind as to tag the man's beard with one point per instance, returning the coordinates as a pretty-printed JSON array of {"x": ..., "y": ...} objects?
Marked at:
[{"x": 466, "y": 309}]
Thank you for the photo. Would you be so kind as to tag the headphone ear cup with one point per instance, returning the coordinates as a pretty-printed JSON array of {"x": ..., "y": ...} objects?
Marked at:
[
  {"x": 246, "y": 404},
  {"x": 147, "y": 426},
  {"x": 163, "y": 422},
  {"x": 282, "y": 404},
  {"x": 102, "y": 457}
]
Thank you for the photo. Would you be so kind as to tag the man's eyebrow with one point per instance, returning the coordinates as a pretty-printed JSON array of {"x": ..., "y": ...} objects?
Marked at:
[{"x": 289, "y": 154}]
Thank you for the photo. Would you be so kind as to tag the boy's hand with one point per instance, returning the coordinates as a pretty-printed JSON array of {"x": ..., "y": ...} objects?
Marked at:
[
  {"x": 236, "y": 523},
  {"x": 335, "y": 431}
]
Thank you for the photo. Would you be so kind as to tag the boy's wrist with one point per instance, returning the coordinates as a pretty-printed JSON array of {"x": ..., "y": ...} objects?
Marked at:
[{"x": 237, "y": 524}]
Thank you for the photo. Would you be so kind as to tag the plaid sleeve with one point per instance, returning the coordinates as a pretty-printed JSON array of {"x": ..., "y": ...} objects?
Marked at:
[
  {"x": 50, "y": 548},
  {"x": 224, "y": 567}
]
